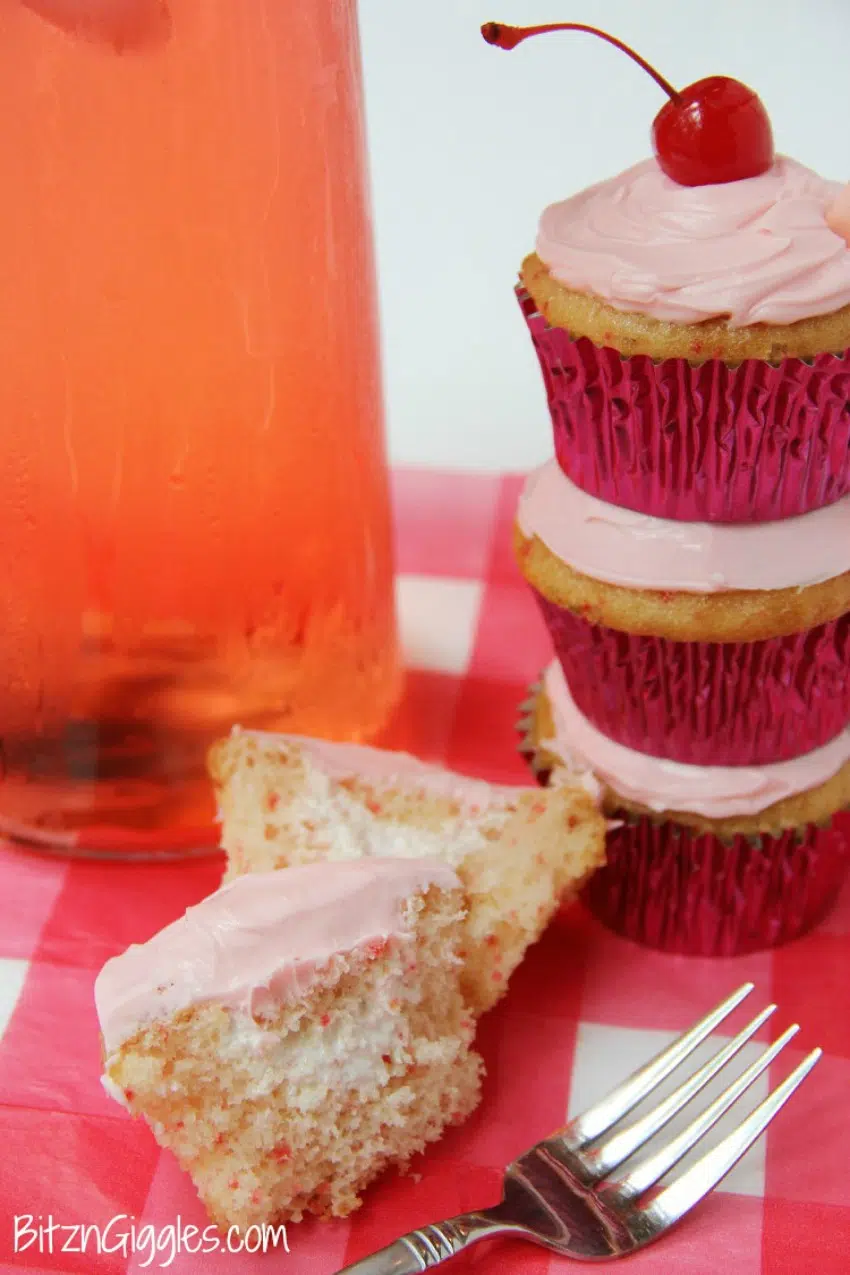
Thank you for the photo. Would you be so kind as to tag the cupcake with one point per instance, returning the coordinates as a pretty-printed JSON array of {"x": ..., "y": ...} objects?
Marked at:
[
  {"x": 692, "y": 317},
  {"x": 705, "y": 644},
  {"x": 693, "y": 343},
  {"x": 706, "y": 861}
]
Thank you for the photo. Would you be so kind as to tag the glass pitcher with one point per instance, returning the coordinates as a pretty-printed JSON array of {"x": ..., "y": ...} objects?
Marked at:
[{"x": 194, "y": 530}]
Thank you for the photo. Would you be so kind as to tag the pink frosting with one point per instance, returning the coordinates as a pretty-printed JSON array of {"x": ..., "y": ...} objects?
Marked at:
[
  {"x": 639, "y": 551},
  {"x": 717, "y": 792},
  {"x": 259, "y": 940},
  {"x": 756, "y": 251}
]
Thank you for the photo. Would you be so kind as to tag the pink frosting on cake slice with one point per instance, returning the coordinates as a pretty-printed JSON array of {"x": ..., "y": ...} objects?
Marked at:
[
  {"x": 386, "y": 768},
  {"x": 260, "y": 940}
]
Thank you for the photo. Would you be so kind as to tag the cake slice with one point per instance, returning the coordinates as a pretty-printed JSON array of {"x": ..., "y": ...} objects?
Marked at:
[
  {"x": 520, "y": 852},
  {"x": 296, "y": 1033}
]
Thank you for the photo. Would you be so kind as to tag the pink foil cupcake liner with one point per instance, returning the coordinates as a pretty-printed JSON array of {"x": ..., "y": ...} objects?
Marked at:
[
  {"x": 707, "y": 703},
  {"x": 670, "y": 887},
  {"x": 705, "y": 443}
]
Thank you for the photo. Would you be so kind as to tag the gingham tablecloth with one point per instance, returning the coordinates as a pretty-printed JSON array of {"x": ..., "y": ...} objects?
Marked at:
[{"x": 584, "y": 1009}]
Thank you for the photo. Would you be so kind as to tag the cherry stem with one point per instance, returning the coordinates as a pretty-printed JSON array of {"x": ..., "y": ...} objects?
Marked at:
[{"x": 507, "y": 37}]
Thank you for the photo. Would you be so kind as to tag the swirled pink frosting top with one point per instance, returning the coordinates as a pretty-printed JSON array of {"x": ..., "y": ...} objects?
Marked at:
[{"x": 754, "y": 251}]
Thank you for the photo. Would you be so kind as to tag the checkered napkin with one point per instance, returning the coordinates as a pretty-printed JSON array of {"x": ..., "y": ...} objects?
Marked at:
[{"x": 584, "y": 1009}]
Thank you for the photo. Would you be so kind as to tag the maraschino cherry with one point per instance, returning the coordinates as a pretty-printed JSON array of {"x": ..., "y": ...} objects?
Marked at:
[{"x": 714, "y": 131}]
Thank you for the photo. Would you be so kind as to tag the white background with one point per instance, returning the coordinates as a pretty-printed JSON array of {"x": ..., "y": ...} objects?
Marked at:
[{"x": 469, "y": 143}]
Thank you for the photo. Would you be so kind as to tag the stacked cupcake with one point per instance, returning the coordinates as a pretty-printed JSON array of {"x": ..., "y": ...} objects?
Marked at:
[{"x": 689, "y": 545}]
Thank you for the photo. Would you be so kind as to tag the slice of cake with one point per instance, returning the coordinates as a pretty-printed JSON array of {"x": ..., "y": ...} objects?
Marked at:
[
  {"x": 296, "y": 1033},
  {"x": 519, "y": 852}
]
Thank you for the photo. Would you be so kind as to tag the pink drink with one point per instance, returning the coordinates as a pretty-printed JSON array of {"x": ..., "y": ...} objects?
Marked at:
[{"x": 194, "y": 528}]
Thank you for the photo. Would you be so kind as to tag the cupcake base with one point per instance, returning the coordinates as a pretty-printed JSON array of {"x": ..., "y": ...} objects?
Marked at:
[
  {"x": 707, "y": 441},
  {"x": 707, "y": 703},
  {"x": 691, "y": 891},
  {"x": 673, "y": 888}
]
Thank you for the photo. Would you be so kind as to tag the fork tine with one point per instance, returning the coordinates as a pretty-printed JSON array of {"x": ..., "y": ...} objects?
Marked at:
[
  {"x": 649, "y": 1169},
  {"x": 600, "y": 1117},
  {"x": 690, "y": 1187},
  {"x": 621, "y": 1145}
]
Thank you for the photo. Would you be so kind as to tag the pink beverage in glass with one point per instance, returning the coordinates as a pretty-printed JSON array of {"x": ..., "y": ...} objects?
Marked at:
[{"x": 194, "y": 529}]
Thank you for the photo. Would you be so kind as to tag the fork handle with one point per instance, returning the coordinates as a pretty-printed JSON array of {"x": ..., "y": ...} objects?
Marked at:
[{"x": 428, "y": 1247}]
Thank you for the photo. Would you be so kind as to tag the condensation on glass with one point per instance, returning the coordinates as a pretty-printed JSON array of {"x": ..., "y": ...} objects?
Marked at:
[{"x": 194, "y": 529}]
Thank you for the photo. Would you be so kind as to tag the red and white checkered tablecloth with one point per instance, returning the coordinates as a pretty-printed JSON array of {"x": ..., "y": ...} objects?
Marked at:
[{"x": 584, "y": 1009}]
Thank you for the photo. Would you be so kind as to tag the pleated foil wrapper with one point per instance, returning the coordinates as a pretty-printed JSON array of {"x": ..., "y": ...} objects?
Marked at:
[
  {"x": 712, "y": 442},
  {"x": 707, "y": 703},
  {"x": 674, "y": 888}
]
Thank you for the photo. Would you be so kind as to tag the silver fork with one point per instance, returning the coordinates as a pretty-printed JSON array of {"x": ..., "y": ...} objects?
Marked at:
[{"x": 563, "y": 1195}]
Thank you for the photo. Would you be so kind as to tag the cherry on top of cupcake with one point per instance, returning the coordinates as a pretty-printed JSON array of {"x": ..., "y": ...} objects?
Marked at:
[{"x": 712, "y": 132}]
